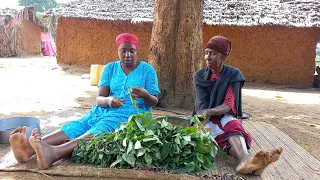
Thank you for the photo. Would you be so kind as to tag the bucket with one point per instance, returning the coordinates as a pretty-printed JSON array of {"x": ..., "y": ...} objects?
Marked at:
[
  {"x": 9, "y": 124},
  {"x": 95, "y": 73}
]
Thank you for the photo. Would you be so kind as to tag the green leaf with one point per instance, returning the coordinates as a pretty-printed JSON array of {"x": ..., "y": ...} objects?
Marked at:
[
  {"x": 89, "y": 146},
  {"x": 177, "y": 149},
  {"x": 157, "y": 155},
  {"x": 196, "y": 121},
  {"x": 187, "y": 138},
  {"x": 140, "y": 152},
  {"x": 192, "y": 143},
  {"x": 177, "y": 140},
  {"x": 148, "y": 158},
  {"x": 169, "y": 127},
  {"x": 165, "y": 150},
  {"x": 200, "y": 157},
  {"x": 188, "y": 168},
  {"x": 208, "y": 166},
  {"x": 140, "y": 126},
  {"x": 189, "y": 130},
  {"x": 183, "y": 143},
  {"x": 116, "y": 162},
  {"x": 213, "y": 151},
  {"x": 137, "y": 145},
  {"x": 114, "y": 151},
  {"x": 149, "y": 139},
  {"x": 187, "y": 152},
  {"x": 207, "y": 160},
  {"x": 172, "y": 150},
  {"x": 164, "y": 123},
  {"x": 197, "y": 169},
  {"x": 172, "y": 165},
  {"x": 101, "y": 156},
  {"x": 124, "y": 142},
  {"x": 200, "y": 147},
  {"x": 148, "y": 133},
  {"x": 176, "y": 159},
  {"x": 123, "y": 126},
  {"x": 130, "y": 146},
  {"x": 129, "y": 158}
]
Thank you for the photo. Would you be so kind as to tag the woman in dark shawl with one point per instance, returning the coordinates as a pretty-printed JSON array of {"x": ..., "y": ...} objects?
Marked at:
[{"x": 218, "y": 98}]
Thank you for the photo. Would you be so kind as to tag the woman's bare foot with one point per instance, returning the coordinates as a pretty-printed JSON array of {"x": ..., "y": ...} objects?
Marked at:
[
  {"x": 258, "y": 161},
  {"x": 275, "y": 155},
  {"x": 43, "y": 150},
  {"x": 20, "y": 145}
]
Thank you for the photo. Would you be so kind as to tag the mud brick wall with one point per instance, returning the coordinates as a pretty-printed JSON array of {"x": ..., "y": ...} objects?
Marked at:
[
  {"x": 86, "y": 42},
  {"x": 270, "y": 54},
  {"x": 266, "y": 54},
  {"x": 30, "y": 38}
]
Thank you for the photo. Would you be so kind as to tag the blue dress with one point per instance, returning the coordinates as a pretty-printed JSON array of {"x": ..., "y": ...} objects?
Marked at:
[{"x": 100, "y": 120}]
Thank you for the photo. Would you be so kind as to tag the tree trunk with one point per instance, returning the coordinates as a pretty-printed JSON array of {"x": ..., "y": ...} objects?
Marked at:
[{"x": 176, "y": 49}]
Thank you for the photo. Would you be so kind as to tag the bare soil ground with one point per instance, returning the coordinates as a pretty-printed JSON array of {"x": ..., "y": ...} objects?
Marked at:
[{"x": 36, "y": 86}]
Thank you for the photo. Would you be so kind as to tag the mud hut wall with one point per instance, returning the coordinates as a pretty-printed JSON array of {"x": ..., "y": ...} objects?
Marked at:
[
  {"x": 266, "y": 54},
  {"x": 88, "y": 41},
  {"x": 30, "y": 38},
  {"x": 270, "y": 54}
]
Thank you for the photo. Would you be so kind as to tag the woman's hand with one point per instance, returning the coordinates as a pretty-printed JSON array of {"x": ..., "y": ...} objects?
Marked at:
[
  {"x": 138, "y": 93},
  {"x": 143, "y": 93},
  {"x": 115, "y": 102},
  {"x": 205, "y": 112}
]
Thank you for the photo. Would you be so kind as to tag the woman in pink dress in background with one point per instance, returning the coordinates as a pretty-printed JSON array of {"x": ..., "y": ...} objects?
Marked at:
[{"x": 48, "y": 46}]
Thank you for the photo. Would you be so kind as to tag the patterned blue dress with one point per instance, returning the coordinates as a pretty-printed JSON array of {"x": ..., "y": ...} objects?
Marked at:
[{"x": 100, "y": 120}]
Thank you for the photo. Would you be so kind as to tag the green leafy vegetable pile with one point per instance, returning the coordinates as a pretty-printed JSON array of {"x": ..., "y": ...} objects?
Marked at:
[{"x": 146, "y": 141}]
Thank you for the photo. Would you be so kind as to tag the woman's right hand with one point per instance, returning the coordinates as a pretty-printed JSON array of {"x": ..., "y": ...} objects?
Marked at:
[
  {"x": 115, "y": 102},
  {"x": 205, "y": 112}
]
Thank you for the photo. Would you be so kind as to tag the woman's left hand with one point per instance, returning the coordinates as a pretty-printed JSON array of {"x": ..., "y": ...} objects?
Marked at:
[{"x": 138, "y": 92}]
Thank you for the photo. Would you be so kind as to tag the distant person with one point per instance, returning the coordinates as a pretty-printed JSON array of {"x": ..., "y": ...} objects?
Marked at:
[
  {"x": 113, "y": 106},
  {"x": 218, "y": 98},
  {"x": 48, "y": 46},
  {"x": 8, "y": 21},
  {"x": 316, "y": 78}
]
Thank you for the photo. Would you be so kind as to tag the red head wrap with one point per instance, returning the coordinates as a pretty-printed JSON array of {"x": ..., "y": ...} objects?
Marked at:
[
  {"x": 220, "y": 44},
  {"x": 127, "y": 38}
]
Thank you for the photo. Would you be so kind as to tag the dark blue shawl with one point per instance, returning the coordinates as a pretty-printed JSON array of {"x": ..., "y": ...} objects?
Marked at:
[{"x": 210, "y": 94}]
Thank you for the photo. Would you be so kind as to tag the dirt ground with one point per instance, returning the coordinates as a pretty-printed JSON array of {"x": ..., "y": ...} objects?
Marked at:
[{"x": 36, "y": 86}]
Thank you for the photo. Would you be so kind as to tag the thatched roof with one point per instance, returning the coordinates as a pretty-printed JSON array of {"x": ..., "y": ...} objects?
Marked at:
[
  {"x": 11, "y": 11},
  {"x": 299, "y": 13},
  {"x": 132, "y": 10},
  {"x": 18, "y": 13}
]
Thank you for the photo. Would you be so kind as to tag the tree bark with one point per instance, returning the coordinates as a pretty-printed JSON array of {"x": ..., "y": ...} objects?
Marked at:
[{"x": 176, "y": 49}]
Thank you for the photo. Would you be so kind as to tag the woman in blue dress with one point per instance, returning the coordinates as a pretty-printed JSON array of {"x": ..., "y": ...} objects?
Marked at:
[{"x": 119, "y": 80}]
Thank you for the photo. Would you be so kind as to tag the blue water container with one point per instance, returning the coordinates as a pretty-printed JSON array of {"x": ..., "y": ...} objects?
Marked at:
[{"x": 9, "y": 124}]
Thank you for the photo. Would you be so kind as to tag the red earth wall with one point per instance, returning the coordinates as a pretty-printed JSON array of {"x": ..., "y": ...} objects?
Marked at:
[
  {"x": 270, "y": 54},
  {"x": 30, "y": 39},
  {"x": 86, "y": 42},
  {"x": 266, "y": 54}
]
